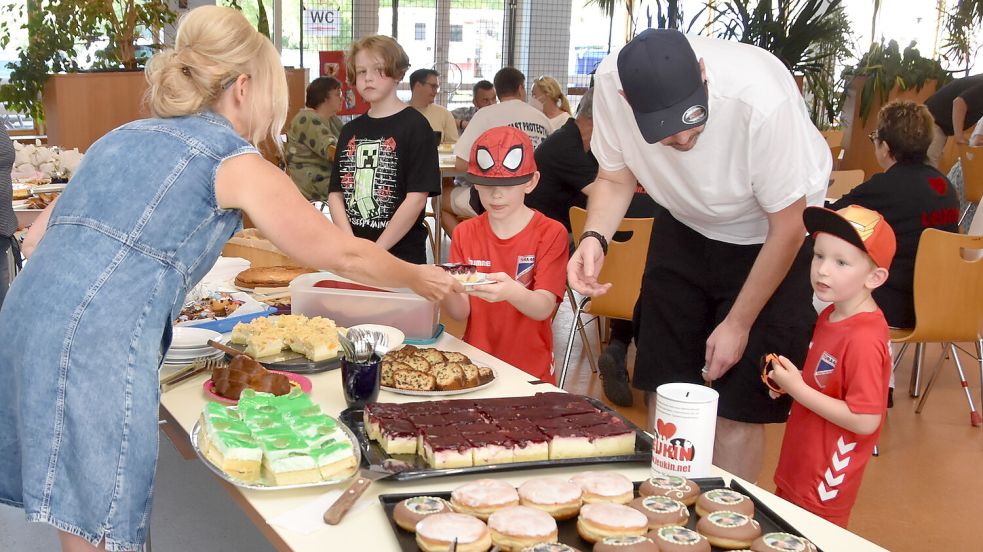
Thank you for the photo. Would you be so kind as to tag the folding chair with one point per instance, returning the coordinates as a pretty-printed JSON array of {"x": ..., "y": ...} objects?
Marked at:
[
  {"x": 623, "y": 267},
  {"x": 841, "y": 182},
  {"x": 971, "y": 160},
  {"x": 948, "y": 304}
]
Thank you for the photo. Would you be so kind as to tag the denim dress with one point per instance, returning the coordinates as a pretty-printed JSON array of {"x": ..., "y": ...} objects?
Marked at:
[{"x": 85, "y": 325}]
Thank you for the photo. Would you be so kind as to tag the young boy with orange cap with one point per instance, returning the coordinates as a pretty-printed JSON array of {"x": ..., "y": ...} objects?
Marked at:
[
  {"x": 521, "y": 253},
  {"x": 840, "y": 398}
]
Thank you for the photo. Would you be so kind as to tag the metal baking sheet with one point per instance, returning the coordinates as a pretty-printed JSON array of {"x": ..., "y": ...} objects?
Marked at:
[
  {"x": 373, "y": 453},
  {"x": 263, "y": 484},
  {"x": 290, "y": 361},
  {"x": 770, "y": 522}
]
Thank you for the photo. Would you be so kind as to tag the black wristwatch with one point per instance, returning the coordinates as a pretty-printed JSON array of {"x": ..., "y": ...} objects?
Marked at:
[{"x": 599, "y": 237}]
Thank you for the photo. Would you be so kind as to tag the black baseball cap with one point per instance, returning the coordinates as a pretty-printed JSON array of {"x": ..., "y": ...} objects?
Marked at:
[{"x": 660, "y": 77}]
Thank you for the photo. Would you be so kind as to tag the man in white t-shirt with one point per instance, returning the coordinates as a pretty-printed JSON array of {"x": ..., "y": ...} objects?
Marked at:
[
  {"x": 511, "y": 110},
  {"x": 717, "y": 133},
  {"x": 424, "y": 85}
]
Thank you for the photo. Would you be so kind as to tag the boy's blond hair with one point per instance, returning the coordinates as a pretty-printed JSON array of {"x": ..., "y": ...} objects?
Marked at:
[{"x": 394, "y": 59}]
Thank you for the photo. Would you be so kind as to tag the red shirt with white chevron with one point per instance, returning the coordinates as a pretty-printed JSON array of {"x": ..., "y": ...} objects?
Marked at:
[{"x": 821, "y": 464}]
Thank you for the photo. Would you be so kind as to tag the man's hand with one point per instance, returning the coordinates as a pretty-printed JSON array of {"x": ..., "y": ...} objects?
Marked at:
[
  {"x": 584, "y": 267},
  {"x": 725, "y": 346},
  {"x": 503, "y": 289}
]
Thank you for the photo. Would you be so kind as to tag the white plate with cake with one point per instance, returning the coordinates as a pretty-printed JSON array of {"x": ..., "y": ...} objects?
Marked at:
[
  {"x": 431, "y": 372},
  {"x": 313, "y": 450}
]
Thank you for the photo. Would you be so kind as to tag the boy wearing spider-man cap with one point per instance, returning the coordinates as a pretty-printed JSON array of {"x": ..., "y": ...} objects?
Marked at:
[{"x": 521, "y": 251}]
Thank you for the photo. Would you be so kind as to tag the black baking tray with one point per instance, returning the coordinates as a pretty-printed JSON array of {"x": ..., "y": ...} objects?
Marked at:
[
  {"x": 373, "y": 454},
  {"x": 769, "y": 520},
  {"x": 292, "y": 362}
]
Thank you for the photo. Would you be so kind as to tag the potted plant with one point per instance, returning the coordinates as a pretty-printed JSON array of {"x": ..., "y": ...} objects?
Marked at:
[{"x": 59, "y": 30}]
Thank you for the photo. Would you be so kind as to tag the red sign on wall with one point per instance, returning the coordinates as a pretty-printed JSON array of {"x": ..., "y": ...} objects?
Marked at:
[{"x": 332, "y": 64}]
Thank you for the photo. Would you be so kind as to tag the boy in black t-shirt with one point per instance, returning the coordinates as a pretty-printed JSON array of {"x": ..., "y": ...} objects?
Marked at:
[{"x": 386, "y": 164}]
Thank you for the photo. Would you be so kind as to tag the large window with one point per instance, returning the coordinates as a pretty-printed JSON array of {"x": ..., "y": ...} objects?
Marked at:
[
  {"x": 457, "y": 33},
  {"x": 420, "y": 31}
]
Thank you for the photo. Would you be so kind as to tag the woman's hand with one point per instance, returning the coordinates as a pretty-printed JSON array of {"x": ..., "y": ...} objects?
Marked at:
[{"x": 434, "y": 283}]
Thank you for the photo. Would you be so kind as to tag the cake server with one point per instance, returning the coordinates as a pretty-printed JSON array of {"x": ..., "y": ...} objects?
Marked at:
[{"x": 375, "y": 472}]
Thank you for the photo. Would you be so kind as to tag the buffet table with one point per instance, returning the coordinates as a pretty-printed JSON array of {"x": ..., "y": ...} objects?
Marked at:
[{"x": 367, "y": 527}]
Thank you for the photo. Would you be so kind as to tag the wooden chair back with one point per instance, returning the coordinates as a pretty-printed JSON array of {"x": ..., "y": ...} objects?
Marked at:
[
  {"x": 971, "y": 160},
  {"x": 623, "y": 265},
  {"x": 948, "y": 289},
  {"x": 841, "y": 182}
]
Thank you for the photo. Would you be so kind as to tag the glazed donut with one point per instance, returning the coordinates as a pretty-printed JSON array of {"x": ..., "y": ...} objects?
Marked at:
[
  {"x": 673, "y": 486},
  {"x": 635, "y": 543},
  {"x": 661, "y": 510},
  {"x": 410, "y": 511},
  {"x": 728, "y": 529},
  {"x": 785, "y": 542},
  {"x": 724, "y": 499},
  {"x": 599, "y": 486},
  {"x": 674, "y": 538},
  {"x": 600, "y": 520},
  {"x": 437, "y": 533},
  {"x": 558, "y": 498},
  {"x": 483, "y": 497},
  {"x": 550, "y": 547},
  {"x": 518, "y": 527}
]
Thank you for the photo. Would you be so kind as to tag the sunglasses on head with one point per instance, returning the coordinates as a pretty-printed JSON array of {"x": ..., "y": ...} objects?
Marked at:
[{"x": 765, "y": 368}]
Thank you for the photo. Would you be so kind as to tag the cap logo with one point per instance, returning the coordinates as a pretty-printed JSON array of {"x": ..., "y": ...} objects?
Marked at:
[
  {"x": 513, "y": 159},
  {"x": 484, "y": 158},
  {"x": 695, "y": 115}
]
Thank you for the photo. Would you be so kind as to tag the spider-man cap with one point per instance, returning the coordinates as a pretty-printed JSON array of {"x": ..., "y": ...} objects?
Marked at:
[{"x": 502, "y": 156}]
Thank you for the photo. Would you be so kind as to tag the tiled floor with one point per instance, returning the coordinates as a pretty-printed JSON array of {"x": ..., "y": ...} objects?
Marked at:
[{"x": 924, "y": 490}]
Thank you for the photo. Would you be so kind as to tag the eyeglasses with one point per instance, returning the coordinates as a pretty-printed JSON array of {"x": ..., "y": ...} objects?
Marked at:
[
  {"x": 874, "y": 136},
  {"x": 228, "y": 83},
  {"x": 433, "y": 85},
  {"x": 765, "y": 368}
]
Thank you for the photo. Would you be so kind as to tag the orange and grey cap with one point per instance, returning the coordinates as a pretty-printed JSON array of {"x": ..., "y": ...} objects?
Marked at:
[{"x": 858, "y": 226}]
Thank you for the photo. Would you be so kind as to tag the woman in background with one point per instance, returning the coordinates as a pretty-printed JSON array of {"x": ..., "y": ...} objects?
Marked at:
[
  {"x": 547, "y": 92},
  {"x": 312, "y": 138}
]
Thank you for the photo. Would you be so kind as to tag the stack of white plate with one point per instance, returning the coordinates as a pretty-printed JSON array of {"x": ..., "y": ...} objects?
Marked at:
[{"x": 190, "y": 344}]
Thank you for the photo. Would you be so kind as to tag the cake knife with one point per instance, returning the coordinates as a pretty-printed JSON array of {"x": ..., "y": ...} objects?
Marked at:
[{"x": 375, "y": 472}]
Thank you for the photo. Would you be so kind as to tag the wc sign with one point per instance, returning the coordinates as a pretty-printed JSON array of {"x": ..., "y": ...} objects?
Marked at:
[{"x": 322, "y": 22}]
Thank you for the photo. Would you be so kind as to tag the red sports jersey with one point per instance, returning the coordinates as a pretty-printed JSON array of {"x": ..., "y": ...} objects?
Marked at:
[
  {"x": 822, "y": 464},
  {"x": 535, "y": 257}
]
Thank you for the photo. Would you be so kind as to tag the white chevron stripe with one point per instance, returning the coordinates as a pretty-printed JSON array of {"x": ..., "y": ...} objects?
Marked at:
[
  {"x": 824, "y": 494},
  {"x": 833, "y": 481},
  {"x": 838, "y": 464},
  {"x": 845, "y": 447}
]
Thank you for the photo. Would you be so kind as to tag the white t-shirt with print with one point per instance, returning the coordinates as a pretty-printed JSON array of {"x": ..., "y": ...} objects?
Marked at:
[
  {"x": 758, "y": 154},
  {"x": 513, "y": 113}
]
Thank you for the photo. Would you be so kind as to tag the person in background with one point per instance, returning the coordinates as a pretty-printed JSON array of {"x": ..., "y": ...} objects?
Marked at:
[
  {"x": 91, "y": 312},
  {"x": 386, "y": 165},
  {"x": 567, "y": 170},
  {"x": 955, "y": 107},
  {"x": 424, "y": 85},
  {"x": 839, "y": 397},
  {"x": 549, "y": 97},
  {"x": 482, "y": 95},
  {"x": 958, "y": 180},
  {"x": 8, "y": 220},
  {"x": 716, "y": 132},
  {"x": 313, "y": 137},
  {"x": 455, "y": 201},
  {"x": 523, "y": 252}
]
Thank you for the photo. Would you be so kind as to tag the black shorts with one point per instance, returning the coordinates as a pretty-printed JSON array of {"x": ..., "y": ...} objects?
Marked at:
[{"x": 689, "y": 286}]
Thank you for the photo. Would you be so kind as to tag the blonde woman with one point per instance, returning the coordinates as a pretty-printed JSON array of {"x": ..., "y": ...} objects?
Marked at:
[
  {"x": 547, "y": 92},
  {"x": 146, "y": 217}
]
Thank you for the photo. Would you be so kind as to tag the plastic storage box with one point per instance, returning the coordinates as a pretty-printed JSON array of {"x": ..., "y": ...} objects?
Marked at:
[{"x": 397, "y": 307}]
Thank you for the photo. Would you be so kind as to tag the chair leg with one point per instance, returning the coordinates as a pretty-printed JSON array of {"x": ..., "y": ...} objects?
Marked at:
[
  {"x": 898, "y": 357},
  {"x": 931, "y": 380},
  {"x": 583, "y": 331},
  {"x": 979, "y": 358},
  {"x": 974, "y": 416},
  {"x": 914, "y": 388},
  {"x": 573, "y": 327}
]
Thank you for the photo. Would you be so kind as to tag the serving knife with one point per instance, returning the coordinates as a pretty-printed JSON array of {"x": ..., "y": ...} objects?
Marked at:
[{"x": 375, "y": 472}]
